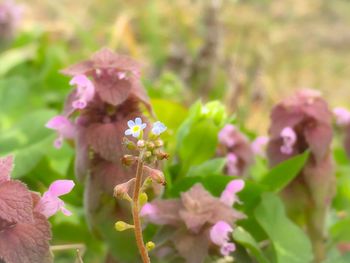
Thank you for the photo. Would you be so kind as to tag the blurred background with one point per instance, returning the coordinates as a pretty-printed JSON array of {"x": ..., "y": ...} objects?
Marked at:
[{"x": 245, "y": 53}]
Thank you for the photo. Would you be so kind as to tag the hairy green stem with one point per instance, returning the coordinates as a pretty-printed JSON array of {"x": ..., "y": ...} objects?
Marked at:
[{"x": 136, "y": 211}]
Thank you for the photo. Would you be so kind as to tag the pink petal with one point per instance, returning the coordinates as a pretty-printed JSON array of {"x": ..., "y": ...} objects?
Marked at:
[
  {"x": 61, "y": 187},
  {"x": 226, "y": 135},
  {"x": 228, "y": 196},
  {"x": 219, "y": 233},
  {"x": 65, "y": 211},
  {"x": 227, "y": 248}
]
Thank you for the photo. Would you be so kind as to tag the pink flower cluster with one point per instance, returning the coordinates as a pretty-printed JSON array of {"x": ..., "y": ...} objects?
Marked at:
[
  {"x": 198, "y": 220},
  {"x": 236, "y": 147}
]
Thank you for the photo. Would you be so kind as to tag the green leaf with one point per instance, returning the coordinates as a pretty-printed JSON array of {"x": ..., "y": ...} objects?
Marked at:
[
  {"x": 14, "y": 57},
  {"x": 211, "y": 167},
  {"x": 340, "y": 231},
  {"x": 290, "y": 243},
  {"x": 244, "y": 238},
  {"x": 28, "y": 141},
  {"x": 282, "y": 174},
  {"x": 199, "y": 144},
  {"x": 172, "y": 114}
]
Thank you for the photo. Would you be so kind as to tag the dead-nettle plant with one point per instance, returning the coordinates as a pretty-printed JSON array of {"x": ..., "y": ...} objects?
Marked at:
[
  {"x": 24, "y": 228},
  {"x": 149, "y": 152},
  {"x": 299, "y": 123},
  {"x": 107, "y": 93}
]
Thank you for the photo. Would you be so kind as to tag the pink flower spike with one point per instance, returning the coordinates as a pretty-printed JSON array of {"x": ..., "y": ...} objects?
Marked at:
[
  {"x": 50, "y": 204},
  {"x": 219, "y": 233},
  {"x": 259, "y": 144},
  {"x": 342, "y": 116},
  {"x": 85, "y": 91},
  {"x": 226, "y": 135},
  {"x": 228, "y": 196},
  {"x": 231, "y": 163},
  {"x": 289, "y": 139}
]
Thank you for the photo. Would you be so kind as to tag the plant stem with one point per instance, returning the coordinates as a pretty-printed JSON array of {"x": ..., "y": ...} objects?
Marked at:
[{"x": 136, "y": 210}]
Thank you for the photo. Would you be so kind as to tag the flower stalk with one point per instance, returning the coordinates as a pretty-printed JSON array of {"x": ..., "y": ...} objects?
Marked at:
[
  {"x": 148, "y": 153},
  {"x": 136, "y": 211}
]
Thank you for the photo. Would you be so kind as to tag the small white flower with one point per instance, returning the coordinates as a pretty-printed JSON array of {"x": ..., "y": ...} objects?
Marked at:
[
  {"x": 158, "y": 128},
  {"x": 135, "y": 127}
]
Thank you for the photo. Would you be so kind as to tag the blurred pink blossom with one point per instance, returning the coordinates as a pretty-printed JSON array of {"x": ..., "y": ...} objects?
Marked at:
[
  {"x": 342, "y": 116},
  {"x": 289, "y": 138},
  {"x": 228, "y": 196},
  {"x": 85, "y": 91},
  {"x": 219, "y": 235},
  {"x": 232, "y": 164},
  {"x": 259, "y": 145},
  {"x": 64, "y": 127},
  {"x": 49, "y": 203}
]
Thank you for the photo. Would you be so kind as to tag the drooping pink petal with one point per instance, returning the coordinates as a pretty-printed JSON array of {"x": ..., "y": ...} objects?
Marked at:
[
  {"x": 6, "y": 167},
  {"x": 62, "y": 125},
  {"x": 342, "y": 116},
  {"x": 85, "y": 91},
  {"x": 228, "y": 196},
  {"x": 227, "y": 248},
  {"x": 50, "y": 204},
  {"x": 219, "y": 233}
]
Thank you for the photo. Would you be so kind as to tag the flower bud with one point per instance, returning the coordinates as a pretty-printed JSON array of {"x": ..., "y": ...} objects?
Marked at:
[
  {"x": 141, "y": 144},
  {"x": 129, "y": 144},
  {"x": 162, "y": 155},
  {"x": 121, "y": 190},
  {"x": 122, "y": 226},
  {"x": 128, "y": 160},
  {"x": 156, "y": 175},
  {"x": 148, "y": 154},
  {"x": 143, "y": 198},
  {"x": 150, "y": 145},
  {"x": 150, "y": 246},
  {"x": 159, "y": 143}
]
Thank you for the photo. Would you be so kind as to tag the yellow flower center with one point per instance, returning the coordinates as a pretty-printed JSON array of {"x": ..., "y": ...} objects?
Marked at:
[{"x": 136, "y": 128}]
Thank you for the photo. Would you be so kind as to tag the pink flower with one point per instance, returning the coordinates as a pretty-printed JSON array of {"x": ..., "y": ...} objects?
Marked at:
[
  {"x": 231, "y": 163},
  {"x": 225, "y": 135},
  {"x": 228, "y": 196},
  {"x": 50, "y": 204},
  {"x": 219, "y": 235},
  {"x": 342, "y": 116},
  {"x": 64, "y": 128},
  {"x": 289, "y": 139},
  {"x": 259, "y": 144},
  {"x": 237, "y": 149},
  {"x": 85, "y": 91}
]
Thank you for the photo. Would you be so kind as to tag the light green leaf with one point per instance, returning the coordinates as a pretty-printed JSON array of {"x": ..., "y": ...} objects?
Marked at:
[
  {"x": 211, "y": 167},
  {"x": 14, "y": 57},
  {"x": 290, "y": 243},
  {"x": 245, "y": 239},
  {"x": 282, "y": 174}
]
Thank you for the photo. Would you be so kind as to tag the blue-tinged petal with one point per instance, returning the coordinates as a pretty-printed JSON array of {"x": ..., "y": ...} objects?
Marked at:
[
  {"x": 138, "y": 121},
  {"x": 131, "y": 124},
  {"x": 143, "y": 125},
  {"x": 128, "y": 132}
]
